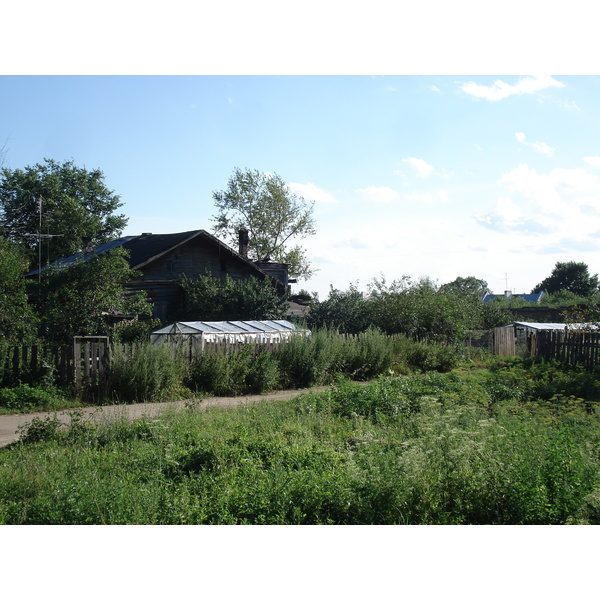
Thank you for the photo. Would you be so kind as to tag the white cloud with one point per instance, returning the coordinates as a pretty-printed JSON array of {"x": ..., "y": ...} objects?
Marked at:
[
  {"x": 558, "y": 204},
  {"x": 312, "y": 193},
  {"x": 422, "y": 168},
  {"x": 538, "y": 146},
  {"x": 438, "y": 197},
  {"x": 500, "y": 90},
  {"x": 593, "y": 161},
  {"x": 508, "y": 213},
  {"x": 378, "y": 194},
  {"x": 435, "y": 88}
]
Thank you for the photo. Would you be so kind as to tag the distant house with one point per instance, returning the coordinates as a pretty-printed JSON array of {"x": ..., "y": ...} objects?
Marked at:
[
  {"x": 531, "y": 298},
  {"x": 163, "y": 258}
]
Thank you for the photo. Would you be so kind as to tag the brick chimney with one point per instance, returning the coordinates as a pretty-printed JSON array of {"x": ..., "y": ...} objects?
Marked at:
[{"x": 243, "y": 241}]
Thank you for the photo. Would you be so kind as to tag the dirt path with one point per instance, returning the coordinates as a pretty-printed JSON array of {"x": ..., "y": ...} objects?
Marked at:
[{"x": 9, "y": 424}]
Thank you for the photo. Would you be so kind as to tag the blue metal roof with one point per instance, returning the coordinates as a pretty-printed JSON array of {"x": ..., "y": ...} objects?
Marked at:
[{"x": 532, "y": 298}]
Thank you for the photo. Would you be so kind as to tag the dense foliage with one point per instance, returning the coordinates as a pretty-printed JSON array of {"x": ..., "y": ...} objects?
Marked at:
[
  {"x": 419, "y": 309},
  {"x": 17, "y": 320},
  {"x": 76, "y": 300},
  {"x": 210, "y": 298},
  {"x": 571, "y": 277},
  {"x": 74, "y": 204},
  {"x": 472, "y": 448},
  {"x": 262, "y": 204}
]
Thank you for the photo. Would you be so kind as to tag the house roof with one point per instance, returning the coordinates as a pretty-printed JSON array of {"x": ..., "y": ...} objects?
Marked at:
[
  {"x": 532, "y": 298},
  {"x": 145, "y": 248},
  {"x": 548, "y": 326}
]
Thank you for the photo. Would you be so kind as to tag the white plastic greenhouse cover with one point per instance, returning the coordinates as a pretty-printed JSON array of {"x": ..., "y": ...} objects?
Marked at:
[{"x": 230, "y": 331}]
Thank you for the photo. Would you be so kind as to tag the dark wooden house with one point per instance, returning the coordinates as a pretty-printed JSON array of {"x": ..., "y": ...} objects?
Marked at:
[{"x": 163, "y": 258}]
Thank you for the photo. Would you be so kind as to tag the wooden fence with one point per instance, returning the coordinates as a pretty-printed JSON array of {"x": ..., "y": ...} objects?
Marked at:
[
  {"x": 80, "y": 364},
  {"x": 83, "y": 363},
  {"x": 504, "y": 341},
  {"x": 568, "y": 347}
]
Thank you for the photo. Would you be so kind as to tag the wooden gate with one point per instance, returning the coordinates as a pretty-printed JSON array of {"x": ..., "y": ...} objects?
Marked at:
[{"x": 504, "y": 341}]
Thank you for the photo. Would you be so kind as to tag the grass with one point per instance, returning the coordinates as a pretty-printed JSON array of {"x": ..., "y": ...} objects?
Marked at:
[{"x": 456, "y": 448}]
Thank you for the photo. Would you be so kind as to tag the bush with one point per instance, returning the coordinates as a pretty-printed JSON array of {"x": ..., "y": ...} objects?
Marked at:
[
  {"x": 144, "y": 373},
  {"x": 25, "y": 398}
]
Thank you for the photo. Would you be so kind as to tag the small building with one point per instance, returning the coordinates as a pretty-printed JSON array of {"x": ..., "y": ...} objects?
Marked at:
[
  {"x": 233, "y": 332},
  {"x": 163, "y": 258},
  {"x": 520, "y": 337}
]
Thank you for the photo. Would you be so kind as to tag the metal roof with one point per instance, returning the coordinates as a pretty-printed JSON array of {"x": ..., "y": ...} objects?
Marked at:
[
  {"x": 148, "y": 247},
  {"x": 227, "y": 327},
  {"x": 531, "y": 298},
  {"x": 547, "y": 326}
]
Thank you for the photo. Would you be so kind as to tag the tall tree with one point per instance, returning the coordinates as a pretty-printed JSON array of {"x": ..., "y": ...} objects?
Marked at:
[
  {"x": 61, "y": 200},
  {"x": 75, "y": 300},
  {"x": 569, "y": 276},
  {"x": 467, "y": 285},
  {"x": 16, "y": 317},
  {"x": 274, "y": 217}
]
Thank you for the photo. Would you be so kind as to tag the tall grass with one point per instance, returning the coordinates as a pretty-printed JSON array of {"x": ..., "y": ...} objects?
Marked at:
[
  {"x": 434, "y": 449},
  {"x": 144, "y": 373}
]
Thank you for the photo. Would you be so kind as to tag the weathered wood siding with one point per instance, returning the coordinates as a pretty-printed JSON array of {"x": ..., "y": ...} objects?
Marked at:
[
  {"x": 160, "y": 278},
  {"x": 504, "y": 341}
]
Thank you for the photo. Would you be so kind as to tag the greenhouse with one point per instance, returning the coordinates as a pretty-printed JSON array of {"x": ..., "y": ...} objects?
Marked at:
[{"x": 238, "y": 332}]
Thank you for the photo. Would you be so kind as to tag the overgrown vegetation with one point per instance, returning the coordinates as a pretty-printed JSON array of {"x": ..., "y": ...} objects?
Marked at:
[
  {"x": 421, "y": 310},
  {"x": 217, "y": 299},
  {"x": 508, "y": 445}
]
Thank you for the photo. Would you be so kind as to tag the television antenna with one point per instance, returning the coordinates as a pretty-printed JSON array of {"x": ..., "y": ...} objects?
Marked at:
[{"x": 41, "y": 236}]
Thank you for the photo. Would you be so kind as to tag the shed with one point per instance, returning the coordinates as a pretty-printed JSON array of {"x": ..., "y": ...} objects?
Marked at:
[{"x": 245, "y": 332}]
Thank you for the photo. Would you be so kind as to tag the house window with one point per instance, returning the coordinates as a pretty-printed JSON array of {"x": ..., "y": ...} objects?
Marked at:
[
  {"x": 169, "y": 265},
  {"x": 223, "y": 265}
]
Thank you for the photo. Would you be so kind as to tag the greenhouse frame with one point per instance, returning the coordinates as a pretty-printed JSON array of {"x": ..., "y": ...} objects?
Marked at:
[{"x": 233, "y": 332}]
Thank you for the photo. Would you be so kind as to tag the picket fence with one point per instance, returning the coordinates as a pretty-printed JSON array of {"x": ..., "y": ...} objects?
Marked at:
[
  {"x": 568, "y": 347},
  {"x": 83, "y": 363}
]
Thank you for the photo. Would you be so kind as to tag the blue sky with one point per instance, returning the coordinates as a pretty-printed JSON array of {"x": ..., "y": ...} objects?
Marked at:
[{"x": 441, "y": 176}]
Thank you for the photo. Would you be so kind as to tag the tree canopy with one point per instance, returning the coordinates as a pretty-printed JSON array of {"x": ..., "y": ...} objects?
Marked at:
[
  {"x": 16, "y": 317},
  {"x": 571, "y": 277},
  {"x": 274, "y": 217},
  {"x": 76, "y": 300},
  {"x": 209, "y": 298},
  {"x": 467, "y": 285},
  {"x": 76, "y": 208}
]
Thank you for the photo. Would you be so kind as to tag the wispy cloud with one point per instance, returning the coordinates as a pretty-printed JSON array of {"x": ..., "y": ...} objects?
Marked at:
[
  {"x": 500, "y": 90},
  {"x": 422, "y": 168},
  {"x": 539, "y": 146},
  {"x": 438, "y": 197},
  {"x": 378, "y": 194},
  {"x": 593, "y": 161},
  {"x": 312, "y": 193},
  {"x": 551, "y": 205}
]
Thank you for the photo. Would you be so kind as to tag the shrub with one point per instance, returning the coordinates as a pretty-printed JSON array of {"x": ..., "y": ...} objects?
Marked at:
[
  {"x": 144, "y": 373},
  {"x": 25, "y": 398}
]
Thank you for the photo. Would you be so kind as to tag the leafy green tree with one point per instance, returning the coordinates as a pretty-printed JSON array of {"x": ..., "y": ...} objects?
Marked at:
[
  {"x": 274, "y": 217},
  {"x": 569, "y": 276},
  {"x": 467, "y": 285},
  {"x": 17, "y": 321},
  {"x": 75, "y": 300},
  {"x": 76, "y": 207},
  {"x": 347, "y": 311},
  {"x": 209, "y": 298},
  {"x": 424, "y": 311}
]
